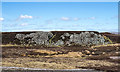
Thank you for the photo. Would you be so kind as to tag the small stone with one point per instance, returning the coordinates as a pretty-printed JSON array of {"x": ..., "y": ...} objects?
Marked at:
[
  {"x": 117, "y": 52},
  {"x": 103, "y": 53},
  {"x": 93, "y": 53},
  {"x": 117, "y": 47},
  {"x": 90, "y": 55},
  {"x": 87, "y": 52},
  {"x": 80, "y": 53}
]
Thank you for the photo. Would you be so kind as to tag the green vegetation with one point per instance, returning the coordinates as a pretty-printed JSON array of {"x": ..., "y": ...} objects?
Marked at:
[
  {"x": 106, "y": 38},
  {"x": 50, "y": 41}
]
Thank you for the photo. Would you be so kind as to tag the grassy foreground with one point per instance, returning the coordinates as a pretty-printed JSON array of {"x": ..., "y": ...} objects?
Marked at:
[{"x": 96, "y": 57}]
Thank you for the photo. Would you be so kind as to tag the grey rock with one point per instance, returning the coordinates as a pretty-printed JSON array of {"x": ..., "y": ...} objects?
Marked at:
[
  {"x": 66, "y": 34},
  {"x": 59, "y": 42},
  {"x": 83, "y": 38},
  {"x": 20, "y": 36}
]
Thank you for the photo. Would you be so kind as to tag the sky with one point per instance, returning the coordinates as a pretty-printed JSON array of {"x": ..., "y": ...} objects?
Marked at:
[
  {"x": 60, "y": 0},
  {"x": 57, "y": 16}
]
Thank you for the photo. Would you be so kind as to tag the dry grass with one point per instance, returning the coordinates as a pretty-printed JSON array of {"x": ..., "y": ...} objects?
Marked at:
[
  {"x": 96, "y": 63},
  {"x": 106, "y": 45},
  {"x": 30, "y": 63},
  {"x": 58, "y": 63},
  {"x": 47, "y": 65},
  {"x": 53, "y": 53},
  {"x": 42, "y": 51},
  {"x": 70, "y": 54},
  {"x": 8, "y": 45}
]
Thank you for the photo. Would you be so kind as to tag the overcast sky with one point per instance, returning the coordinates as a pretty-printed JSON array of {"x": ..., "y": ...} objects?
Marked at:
[{"x": 47, "y": 16}]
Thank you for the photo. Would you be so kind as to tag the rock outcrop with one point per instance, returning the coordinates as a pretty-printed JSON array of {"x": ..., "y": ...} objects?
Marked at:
[{"x": 66, "y": 39}]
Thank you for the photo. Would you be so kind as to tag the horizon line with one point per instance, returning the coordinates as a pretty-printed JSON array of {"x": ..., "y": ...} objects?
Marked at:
[{"x": 55, "y": 30}]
